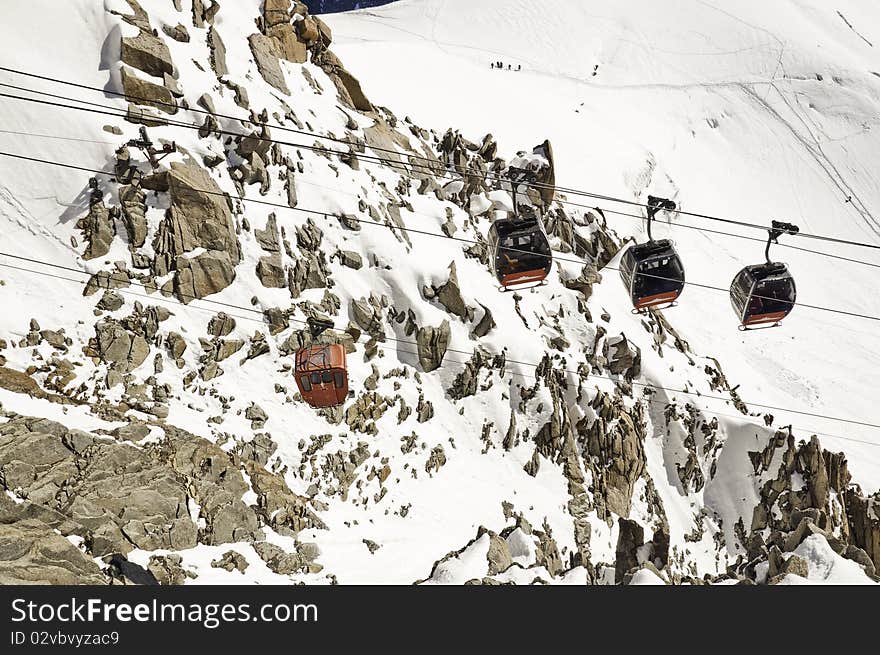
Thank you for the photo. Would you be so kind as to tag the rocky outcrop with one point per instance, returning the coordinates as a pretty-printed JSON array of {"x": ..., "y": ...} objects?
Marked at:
[
  {"x": 142, "y": 92},
  {"x": 98, "y": 228},
  {"x": 613, "y": 446},
  {"x": 199, "y": 217},
  {"x": 148, "y": 53},
  {"x": 266, "y": 52},
  {"x": 825, "y": 503},
  {"x": 432, "y": 345},
  {"x": 123, "y": 350},
  {"x": 448, "y": 294},
  {"x": 32, "y": 553}
]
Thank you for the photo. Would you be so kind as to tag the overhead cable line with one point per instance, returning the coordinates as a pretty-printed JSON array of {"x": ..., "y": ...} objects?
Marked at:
[
  {"x": 470, "y": 353},
  {"x": 392, "y": 227},
  {"x": 430, "y": 164},
  {"x": 361, "y": 221}
]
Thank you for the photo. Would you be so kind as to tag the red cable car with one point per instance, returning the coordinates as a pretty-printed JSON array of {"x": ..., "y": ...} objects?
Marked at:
[
  {"x": 764, "y": 294},
  {"x": 320, "y": 371}
]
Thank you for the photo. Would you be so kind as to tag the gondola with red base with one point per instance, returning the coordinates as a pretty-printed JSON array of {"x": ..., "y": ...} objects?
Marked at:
[
  {"x": 520, "y": 255},
  {"x": 652, "y": 272},
  {"x": 763, "y": 294}
]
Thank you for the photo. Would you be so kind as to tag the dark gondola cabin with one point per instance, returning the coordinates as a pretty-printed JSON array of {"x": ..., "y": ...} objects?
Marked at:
[
  {"x": 762, "y": 293},
  {"x": 520, "y": 252},
  {"x": 321, "y": 375},
  {"x": 652, "y": 273}
]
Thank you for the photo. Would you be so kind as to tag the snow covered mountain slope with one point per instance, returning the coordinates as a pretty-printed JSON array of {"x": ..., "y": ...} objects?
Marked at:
[
  {"x": 749, "y": 112},
  {"x": 562, "y": 439}
]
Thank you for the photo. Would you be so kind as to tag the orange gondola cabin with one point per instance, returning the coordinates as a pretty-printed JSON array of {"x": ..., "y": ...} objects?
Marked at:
[{"x": 321, "y": 375}]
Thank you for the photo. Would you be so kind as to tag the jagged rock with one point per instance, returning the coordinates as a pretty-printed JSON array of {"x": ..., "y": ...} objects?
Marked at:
[
  {"x": 499, "y": 555},
  {"x": 466, "y": 383},
  {"x": 449, "y": 295},
  {"x": 142, "y": 92},
  {"x": 231, "y": 561},
  {"x": 617, "y": 455},
  {"x": 167, "y": 569},
  {"x": 487, "y": 322},
  {"x": 424, "y": 410},
  {"x": 436, "y": 459},
  {"x": 278, "y": 506},
  {"x": 176, "y": 345},
  {"x": 218, "y": 53},
  {"x": 258, "y": 346},
  {"x": 133, "y": 203},
  {"x": 178, "y": 32},
  {"x": 208, "y": 273},
  {"x": 148, "y": 53},
  {"x": 268, "y": 237},
  {"x": 256, "y": 416},
  {"x": 266, "y": 53},
  {"x": 432, "y": 345},
  {"x": 221, "y": 325},
  {"x": 547, "y": 553},
  {"x": 584, "y": 282},
  {"x": 864, "y": 520},
  {"x": 351, "y": 259},
  {"x": 98, "y": 229},
  {"x": 623, "y": 357},
  {"x": 199, "y": 217},
  {"x": 348, "y": 86},
  {"x": 258, "y": 449},
  {"x": 119, "y": 347},
  {"x": 106, "y": 280},
  {"x": 367, "y": 315},
  {"x": 54, "y": 338},
  {"x": 32, "y": 553},
  {"x": 270, "y": 271},
  {"x": 285, "y": 563},
  {"x": 630, "y": 538},
  {"x": 362, "y": 415}
]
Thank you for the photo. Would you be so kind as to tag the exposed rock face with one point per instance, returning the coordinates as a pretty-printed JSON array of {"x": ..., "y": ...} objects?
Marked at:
[
  {"x": 98, "y": 229},
  {"x": 32, "y": 553},
  {"x": 221, "y": 325},
  {"x": 218, "y": 52},
  {"x": 448, "y": 294},
  {"x": 614, "y": 451},
  {"x": 348, "y": 86},
  {"x": 123, "y": 350},
  {"x": 826, "y": 504},
  {"x": 432, "y": 345},
  {"x": 270, "y": 270},
  {"x": 118, "y": 496},
  {"x": 147, "y": 53},
  {"x": 133, "y": 203},
  {"x": 267, "y": 51},
  {"x": 142, "y": 92},
  {"x": 199, "y": 217},
  {"x": 630, "y": 538},
  {"x": 623, "y": 357}
]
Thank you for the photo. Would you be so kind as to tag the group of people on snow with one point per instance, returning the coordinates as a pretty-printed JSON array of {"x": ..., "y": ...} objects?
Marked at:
[{"x": 500, "y": 66}]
